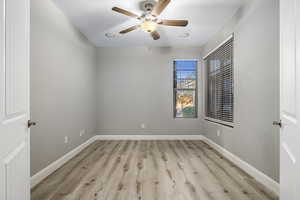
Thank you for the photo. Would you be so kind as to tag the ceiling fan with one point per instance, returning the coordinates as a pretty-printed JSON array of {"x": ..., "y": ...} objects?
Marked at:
[{"x": 150, "y": 19}]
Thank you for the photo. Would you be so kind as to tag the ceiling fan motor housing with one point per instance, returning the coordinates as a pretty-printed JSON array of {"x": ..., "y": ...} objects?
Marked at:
[{"x": 148, "y": 5}]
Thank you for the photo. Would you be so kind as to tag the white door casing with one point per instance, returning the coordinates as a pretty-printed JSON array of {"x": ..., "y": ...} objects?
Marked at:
[
  {"x": 290, "y": 101},
  {"x": 14, "y": 100}
]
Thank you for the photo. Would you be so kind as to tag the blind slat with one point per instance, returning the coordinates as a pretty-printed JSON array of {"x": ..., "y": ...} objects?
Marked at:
[{"x": 219, "y": 101}]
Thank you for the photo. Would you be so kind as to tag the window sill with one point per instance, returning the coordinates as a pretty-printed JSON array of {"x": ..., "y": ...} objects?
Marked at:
[{"x": 219, "y": 122}]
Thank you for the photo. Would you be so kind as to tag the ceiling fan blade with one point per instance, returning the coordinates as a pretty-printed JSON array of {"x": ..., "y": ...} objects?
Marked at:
[
  {"x": 125, "y": 12},
  {"x": 155, "y": 35},
  {"x": 160, "y": 6},
  {"x": 174, "y": 22},
  {"x": 130, "y": 29}
]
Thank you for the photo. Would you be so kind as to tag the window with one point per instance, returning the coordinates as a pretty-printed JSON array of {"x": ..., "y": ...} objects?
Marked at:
[
  {"x": 219, "y": 98},
  {"x": 185, "y": 89}
]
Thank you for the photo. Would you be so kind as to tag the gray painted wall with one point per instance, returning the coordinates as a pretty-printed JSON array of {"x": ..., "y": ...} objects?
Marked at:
[
  {"x": 135, "y": 86},
  {"x": 63, "y": 85},
  {"x": 256, "y": 95},
  {"x": 131, "y": 86}
]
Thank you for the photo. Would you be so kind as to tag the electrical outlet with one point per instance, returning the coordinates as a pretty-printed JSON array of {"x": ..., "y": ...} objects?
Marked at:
[
  {"x": 82, "y": 132},
  {"x": 143, "y": 126},
  {"x": 66, "y": 139},
  {"x": 218, "y": 133}
]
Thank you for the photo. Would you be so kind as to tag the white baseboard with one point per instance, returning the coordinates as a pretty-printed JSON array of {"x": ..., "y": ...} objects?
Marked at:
[
  {"x": 149, "y": 137},
  {"x": 252, "y": 171},
  {"x": 258, "y": 175},
  {"x": 38, "y": 177},
  {"x": 150, "y": 132}
]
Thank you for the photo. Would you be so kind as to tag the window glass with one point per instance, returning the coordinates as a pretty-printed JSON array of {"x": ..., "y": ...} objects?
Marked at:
[{"x": 185, "y": 89}]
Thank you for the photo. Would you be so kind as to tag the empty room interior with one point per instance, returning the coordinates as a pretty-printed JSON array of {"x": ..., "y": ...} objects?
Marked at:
[{"x": 154, "y": 100}]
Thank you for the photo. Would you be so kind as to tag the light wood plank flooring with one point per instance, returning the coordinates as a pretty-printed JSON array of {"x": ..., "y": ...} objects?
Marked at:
[{"x": 150, "y": 170}]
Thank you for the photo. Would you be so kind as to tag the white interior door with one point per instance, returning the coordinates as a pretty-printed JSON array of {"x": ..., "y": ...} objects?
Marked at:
[
  {"x": 290, "y": 100},
  {"x": 14, "y": 100}
]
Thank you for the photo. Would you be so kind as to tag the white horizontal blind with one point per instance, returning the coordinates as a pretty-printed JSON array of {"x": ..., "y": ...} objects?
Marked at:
[{"x": 219, "y": 98}]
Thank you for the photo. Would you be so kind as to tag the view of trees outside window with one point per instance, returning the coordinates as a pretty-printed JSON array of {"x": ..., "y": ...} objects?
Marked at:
[{"x": 185, "y": 89}]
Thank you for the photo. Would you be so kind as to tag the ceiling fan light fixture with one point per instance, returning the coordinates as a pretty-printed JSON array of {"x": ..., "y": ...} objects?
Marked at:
[
  {"x": 149, "y": 26},
  {"x": 149, "y": 18}
]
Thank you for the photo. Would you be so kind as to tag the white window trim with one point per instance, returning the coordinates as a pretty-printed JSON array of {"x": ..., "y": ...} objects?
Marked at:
[{"x": 229, "y": 124}]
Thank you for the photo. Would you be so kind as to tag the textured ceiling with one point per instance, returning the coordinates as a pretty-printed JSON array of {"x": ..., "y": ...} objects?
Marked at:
[{"x": 94, "y": 18}]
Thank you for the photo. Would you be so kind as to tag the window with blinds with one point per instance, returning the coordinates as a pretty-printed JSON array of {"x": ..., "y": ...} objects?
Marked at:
[{"x": 219, "y": 98}]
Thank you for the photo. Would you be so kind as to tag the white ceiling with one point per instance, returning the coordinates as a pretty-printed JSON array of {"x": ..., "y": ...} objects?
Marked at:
[{"x": 94, "y": 18}]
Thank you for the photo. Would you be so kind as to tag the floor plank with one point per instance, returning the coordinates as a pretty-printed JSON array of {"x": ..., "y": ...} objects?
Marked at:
[{"x": 150, "y": 170}]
